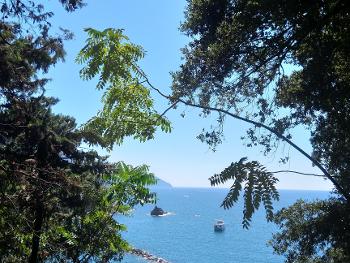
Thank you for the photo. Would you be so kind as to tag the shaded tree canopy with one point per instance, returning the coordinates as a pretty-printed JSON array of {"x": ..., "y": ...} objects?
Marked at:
[
  {"x": 59, "y": 201},
  {"x": 277, "y": 65},
  {"x": 313, "y": 232}
]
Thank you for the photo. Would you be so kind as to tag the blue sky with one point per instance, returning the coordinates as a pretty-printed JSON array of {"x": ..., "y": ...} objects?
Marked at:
[{"x": 178, "y": 157}]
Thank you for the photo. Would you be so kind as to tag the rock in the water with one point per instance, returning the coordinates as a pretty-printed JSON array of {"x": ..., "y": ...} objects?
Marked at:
[{"x": 157, "y": 211}]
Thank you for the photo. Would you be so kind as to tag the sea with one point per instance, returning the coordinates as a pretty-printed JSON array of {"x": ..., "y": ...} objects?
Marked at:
[{"x": 186, "y": 234}]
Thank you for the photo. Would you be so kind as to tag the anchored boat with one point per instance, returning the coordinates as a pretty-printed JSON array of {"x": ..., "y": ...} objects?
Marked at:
[{"x": 219, "y": 226}]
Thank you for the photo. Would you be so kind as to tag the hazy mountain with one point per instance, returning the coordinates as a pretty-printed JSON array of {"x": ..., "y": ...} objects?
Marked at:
[{"x": 161, "y": 184}]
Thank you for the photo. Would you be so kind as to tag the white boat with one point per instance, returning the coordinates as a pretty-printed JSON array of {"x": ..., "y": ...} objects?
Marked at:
[{"x": 219, "y": 226}]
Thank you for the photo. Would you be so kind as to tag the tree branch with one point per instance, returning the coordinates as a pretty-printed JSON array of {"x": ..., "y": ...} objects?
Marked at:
[
  {"x": 257, "y": 124},
  {"x": 296, "y": 172}
]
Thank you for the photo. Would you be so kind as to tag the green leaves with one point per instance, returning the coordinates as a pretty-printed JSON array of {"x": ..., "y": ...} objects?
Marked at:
[
  {"x": 128, "y": 186},
  {"x": 60, "y": 203},
  {"x": 277, "y": 65},
  {"x": 110, "y": 54},
  {"x": 127, "y": 104},
  {"x": 306, "y": 234},
  {"x": 258, "y": 186},
  {"x": 92, "y": 230}
]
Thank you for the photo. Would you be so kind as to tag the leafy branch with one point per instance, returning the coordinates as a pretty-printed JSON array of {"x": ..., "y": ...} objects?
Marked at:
[
  {"x": 177, "y": 100},
  {"x": 128, "y": 109},
  {"x": 257, "y": 183}
]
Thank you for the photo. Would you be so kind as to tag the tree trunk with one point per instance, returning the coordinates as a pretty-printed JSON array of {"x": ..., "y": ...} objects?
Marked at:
[
  {"x": 42, "y": 156},
  {"x": 39, "y": 218}
]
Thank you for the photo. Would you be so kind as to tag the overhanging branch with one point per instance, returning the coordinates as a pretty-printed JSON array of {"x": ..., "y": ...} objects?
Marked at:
[
  {"x": 257, "y": 124},
  {"x": 296, "y": 172}
]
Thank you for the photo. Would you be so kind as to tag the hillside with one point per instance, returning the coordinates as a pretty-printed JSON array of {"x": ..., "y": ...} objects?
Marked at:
[{"x": 161, "y": 184}]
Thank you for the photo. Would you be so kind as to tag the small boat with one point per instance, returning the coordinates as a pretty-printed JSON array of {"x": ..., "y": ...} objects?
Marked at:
[{"x": 219, "y": 226}]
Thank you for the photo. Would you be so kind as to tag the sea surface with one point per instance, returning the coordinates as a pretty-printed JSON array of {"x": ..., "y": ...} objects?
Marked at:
[{"x": 186, "y": 234}]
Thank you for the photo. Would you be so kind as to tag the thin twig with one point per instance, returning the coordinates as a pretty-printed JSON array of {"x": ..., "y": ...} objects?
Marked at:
[
  {"x": 296, "y": 172},
  {"x": 170, "y": 107}
]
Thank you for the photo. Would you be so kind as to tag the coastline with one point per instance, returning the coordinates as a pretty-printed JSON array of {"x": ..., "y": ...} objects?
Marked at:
[{"x": 147, "y": 256}]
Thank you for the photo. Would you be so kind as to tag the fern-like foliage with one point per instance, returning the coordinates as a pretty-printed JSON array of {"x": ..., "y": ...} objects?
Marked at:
[
  {"x": 128, "y": 108},
  {"x": 258, "y": 185}
]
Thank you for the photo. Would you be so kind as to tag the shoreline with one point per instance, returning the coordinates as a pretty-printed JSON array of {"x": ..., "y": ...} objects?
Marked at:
[{"x": 147, "y": 256}]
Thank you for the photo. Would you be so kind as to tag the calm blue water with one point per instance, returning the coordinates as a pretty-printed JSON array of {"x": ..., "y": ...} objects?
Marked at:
[{"x": 187, "y": 236}]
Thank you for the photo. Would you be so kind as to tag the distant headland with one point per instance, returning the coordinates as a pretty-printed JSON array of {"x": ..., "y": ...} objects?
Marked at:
[{"x": 161, "y": 184}]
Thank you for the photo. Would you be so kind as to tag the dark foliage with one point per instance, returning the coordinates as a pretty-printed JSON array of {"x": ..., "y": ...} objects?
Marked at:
[
  {"x": 58, "y": 201},
  {"x": 314, "y": 232},
  {"x": 277, "y": 65}
]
